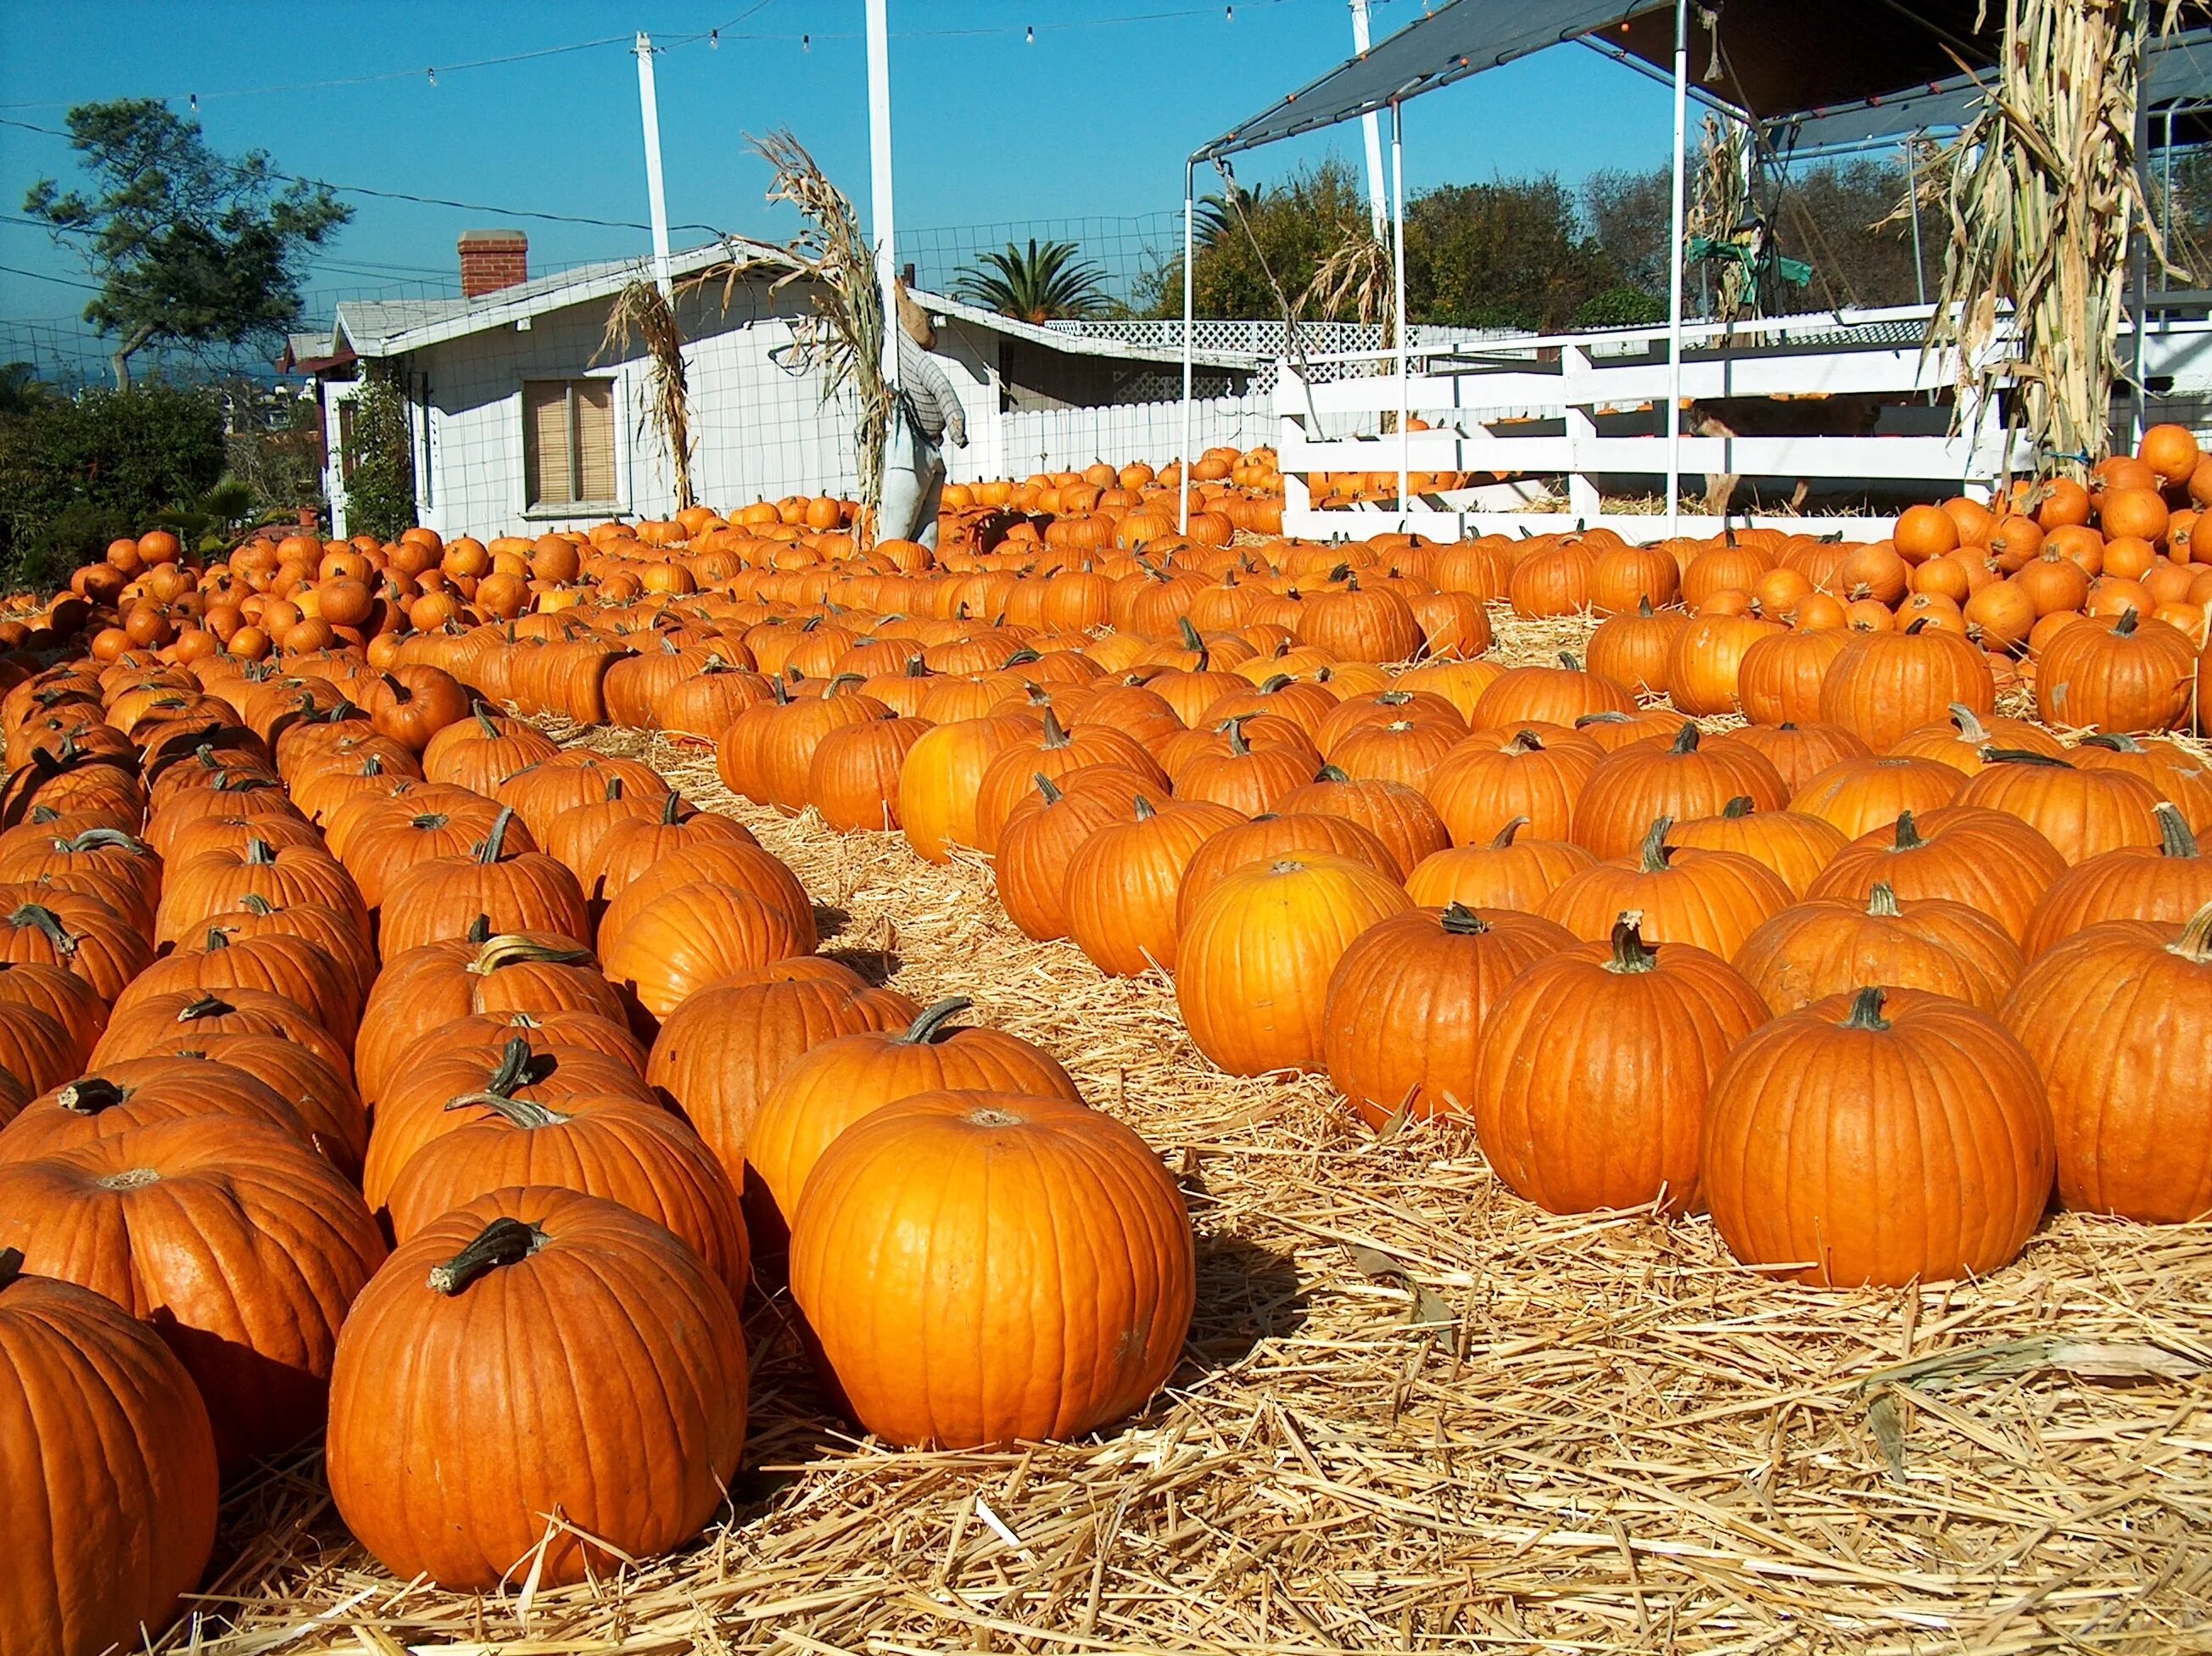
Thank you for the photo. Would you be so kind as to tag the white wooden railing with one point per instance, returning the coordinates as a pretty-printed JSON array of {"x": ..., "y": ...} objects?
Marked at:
[{"x": 1474, "y": 394}]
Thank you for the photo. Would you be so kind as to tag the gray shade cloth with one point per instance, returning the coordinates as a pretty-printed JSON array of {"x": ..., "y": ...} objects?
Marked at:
[{"x": 1766, "y": 58}]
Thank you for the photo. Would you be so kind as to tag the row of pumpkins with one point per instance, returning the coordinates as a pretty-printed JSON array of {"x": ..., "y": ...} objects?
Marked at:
[
  {"x": 1856, "y": 978},
  {"x": 409, "y": 1074}
]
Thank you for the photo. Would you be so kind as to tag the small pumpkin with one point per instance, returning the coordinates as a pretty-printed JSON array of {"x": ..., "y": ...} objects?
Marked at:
[
  {"x": 2168, "y": 882},
  {"x": 1812, "y": 950},
  {"x": 1714, "y": 899},
  {"x": 1509, "y": 873},
  {"x": 1628, "y": 789},
  {"x": 1122, "y": 883}
]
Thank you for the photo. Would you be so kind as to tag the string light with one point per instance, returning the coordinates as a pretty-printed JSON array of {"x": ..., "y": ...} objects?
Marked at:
[
  {"x": 433, "y": 74},
  {"x": 807, "y": 43},
  {"x": 196, "y": 103},
  {"x": 714, "y": 40},
  {"x": 1029, "y": 37}
]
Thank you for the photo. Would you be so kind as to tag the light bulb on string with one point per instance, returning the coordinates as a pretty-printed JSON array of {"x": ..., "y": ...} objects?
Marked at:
[
  {"x": 1029, "y": 36},
  {"x": 807, "y": 43},
  {"x": 196, "y": 103},
  {"x": 714, "y": 40},
  {"x": 433, "y": 74},
  {"x": 1230, "y": 12}
]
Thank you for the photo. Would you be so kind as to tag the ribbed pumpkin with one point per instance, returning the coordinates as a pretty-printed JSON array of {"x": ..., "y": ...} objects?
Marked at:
[
  {"x": 1812, "y": 950},
  {"x": 2082, "y": 813},
  {"x": 321, "y": 1092},
  {"x": 1856, "y": 795},
  {"x": 110, "y": 1473},
  {"x": 615, "y": 1330},
  {"x": 718, "y": 1054},
  {"x": 1266, "y": 838},
  {"x": 1986, "y": 860},
  {"x": 692, "y": 935},
  {"x": 1042, "y": 834},
  {"x": 483, "y": 751},
  {"x": 632, "y": 845},
  {"x": 301, "y": 972},
  {"x": 636, "y": 1155},
  {"x": 1961, "y": 739},
  {"x": 1400, "y": 817},
  {"x": 134, "y": 1093},
  {"x": 730, "y": 862},
  {"x": 60, "y": 993},
  {"x": 2168, "y": 882},
  {"x": 1795, "y": 846},
  {"x": 2117, "y": 673},
  {"x": 939, "y": 782},
  {"x": 424, "y": 988},
  {"x": 1886, "y": 683},
  {"x": 541, "y": 793},
  {"x": 1509, "y": 873},
  {"x": 1254, "y": 962},
  {"x": 823, "y": 1093},
  {"x": 984, "y": 1268},
  {"x": 1245, "y": 779},
  {"x": 1633, "y": 649},
  {"x": 852, "y": 779},
  {"x": 1778, "y": 679},
  {"x": 1704, "y": 662},
  {"x": 36, "y": 1050},
  {"x": 1881, "y": 1137},
  {"x": 1407, "y": 1003},
  {"x": 1052, "y": 752},
  {"x": 159, "y": 1021},
  {"x": 1630, "y": 788},
  {"x": 217, "y": 881},
  {"x": 1495, "y": 776},
  {"x": 1799, "y": 752},
  {"x": 2173, "y": 772},
  {"x": 2118, "y": 1019},
  {"x": 441, "y": 899},
  {"x": 1714, "y": 899},
  {"x": 1590, "y": 1087},
  {"x": 1123, "y": 881},
  {"x": 242, "y": 1246},
  {"x": 1558, "y": 695}
]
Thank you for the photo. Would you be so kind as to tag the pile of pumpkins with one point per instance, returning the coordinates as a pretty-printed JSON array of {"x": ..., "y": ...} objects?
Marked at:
[
  {"x": 1867, "y": 977},
  {"x": 369, "y": 1063}
]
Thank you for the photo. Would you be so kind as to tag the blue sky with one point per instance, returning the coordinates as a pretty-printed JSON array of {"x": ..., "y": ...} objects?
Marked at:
[{"x": 1090, "y": 121}]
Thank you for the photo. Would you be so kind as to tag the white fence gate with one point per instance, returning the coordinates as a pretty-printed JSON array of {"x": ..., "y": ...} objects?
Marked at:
[{"x": 1069, "y": 439}]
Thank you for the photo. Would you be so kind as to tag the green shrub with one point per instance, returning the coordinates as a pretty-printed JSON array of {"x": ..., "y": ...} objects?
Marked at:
[
  {"x": 78, "y": 471},
  {"x": 1620, "y": 308},
  {"x": 380, "y": 488}
]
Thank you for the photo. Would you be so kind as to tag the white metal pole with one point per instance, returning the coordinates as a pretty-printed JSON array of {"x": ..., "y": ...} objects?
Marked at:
[
  {"x": 1398, "y": 292},
  {"x": 656, "y": 196},
  {"x": 1913, "y": 195},
  {"x": 879, "y": 179},
  {"x": 1372, "y": 126},
  {"x": 1189, "y": 293},
  {"x": 1674, "y": 274}
]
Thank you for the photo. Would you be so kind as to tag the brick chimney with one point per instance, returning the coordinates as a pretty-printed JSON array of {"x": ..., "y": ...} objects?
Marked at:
[{"x": 492, "y": 260}]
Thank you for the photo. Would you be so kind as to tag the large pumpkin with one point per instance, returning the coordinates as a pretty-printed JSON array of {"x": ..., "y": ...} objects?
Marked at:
[
  {"x": 1407, "y": 1003},
  {"x": 1042, "y": 834},
  {"x": 242, "y": 1246},
  {"x": 1886, "y": 683},
  {"x": 1589, "y": 1090},
  {"x": 2117, "y": 673},
  {"x": 1795, "y": 846},
  {"x": 1879, "y": 1137},
  {"x": 1509, "y": 873},
  {"x": 938, "y": 784},
  {"x": 2169, "y": 881},
  {"x": 1254, "y": 962},
  {"x": 107, "y": 1490},
  {"x": 442, "y": 898},
  {"x": 1494, "y": 777},
  {"x": 616, "y": 1332},
  {"x": 1853, "y": 796},
  {"x": 822, "y": 1093},
  {"x": 718, "y": 1054},
  {"x": 1985, "y": 859},
  {"x": 2081, "y": 813},
  {"x": 983, "y": 1269},
  {"x": 1680, "y": 780},
  {"x": 692, "y": 935},
  {"x": 1714, "y": 899},
  {"x": 2118, "y": 1018},
  {"x": 1121, "y": 885},
  {"x": 1812, "y": 950}
]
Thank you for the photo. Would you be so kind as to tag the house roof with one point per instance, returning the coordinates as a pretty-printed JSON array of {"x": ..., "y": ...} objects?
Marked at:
[{"x": 392, "y": 327}]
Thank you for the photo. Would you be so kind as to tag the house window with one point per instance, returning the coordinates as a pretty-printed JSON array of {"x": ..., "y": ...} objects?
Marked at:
[{"x": 568, "y": 441}]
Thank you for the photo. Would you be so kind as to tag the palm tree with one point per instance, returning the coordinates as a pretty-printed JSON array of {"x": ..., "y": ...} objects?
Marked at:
[
  {"x": 1217, "y": 215},
  {"x": 1046, "y": 281},
  {"x": 21, "y": 391}
]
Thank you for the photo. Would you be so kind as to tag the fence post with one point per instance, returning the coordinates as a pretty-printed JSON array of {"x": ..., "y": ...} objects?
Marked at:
[{"x": 1582, "y": 498}]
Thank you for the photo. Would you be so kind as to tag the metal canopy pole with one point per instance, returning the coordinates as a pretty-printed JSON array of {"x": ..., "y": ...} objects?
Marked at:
[
  {"x": 1189, "y": 279},
  {"x": 1913, "y": 194},
  {"x": 879, "y": 180},
  {"x": 656, "y": 197},
  {"x": 2139, "y": 270},
  {"x": 1674, "y": 274},
  {"x": 1398, "y": 290},
  {"x": 1371, "y": 126}
]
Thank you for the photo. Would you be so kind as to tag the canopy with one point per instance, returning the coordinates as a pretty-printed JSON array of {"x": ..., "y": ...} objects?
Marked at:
[
  {"x": 1770, "y": 59},
  {"x": 2177, "y": 77}
]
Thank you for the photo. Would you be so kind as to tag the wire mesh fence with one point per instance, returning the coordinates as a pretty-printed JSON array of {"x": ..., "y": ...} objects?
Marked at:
[{"x": 1128, "y": 255}]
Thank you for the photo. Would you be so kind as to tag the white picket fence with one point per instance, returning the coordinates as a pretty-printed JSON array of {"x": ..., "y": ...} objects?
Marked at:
[{"x": 1069, "y": 439}]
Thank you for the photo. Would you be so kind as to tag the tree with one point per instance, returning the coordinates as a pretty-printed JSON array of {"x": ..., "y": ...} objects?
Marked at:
[
  {"x": 380, "y": 459},
  {"x": 189, "y": 247},
  {"x": 1512, "y": 254},
  {"x": 1048, "y": 281},
  {"x": 1263, "y": 238}
]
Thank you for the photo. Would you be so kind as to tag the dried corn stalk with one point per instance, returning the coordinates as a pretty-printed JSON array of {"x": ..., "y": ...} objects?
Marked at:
[
  {"x": 640, "y": 311},
  {"x": 2043, "y": 191},
  {"x": 1719, "y": 209}
]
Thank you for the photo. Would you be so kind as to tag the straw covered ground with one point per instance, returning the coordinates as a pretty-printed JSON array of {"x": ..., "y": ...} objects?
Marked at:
[{"x": 1415, "y": 1412}]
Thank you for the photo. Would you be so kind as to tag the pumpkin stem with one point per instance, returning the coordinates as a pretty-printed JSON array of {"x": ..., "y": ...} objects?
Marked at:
[
  {"x": 400, "y": 693},
  {"x": 1191, "y": 641},
  {"x": 518, "y": 1066},
  {"x": 1463, "y": 922},
  {"x": 527, "y": 1114},
  {"x": 1737, "y": 808},
  {"x": 927, "y": 1028},
  {"x": 1630, "y": 951},
  {"x": 501, "y": 1243},
  {"x": 2113, "y": 744},
  {"x": 1052, "y": 794},
  {"x": 1504, "y": 840},
  {"x": 1238, "y": 747},
  {"x": 97, "y": 839},
  {"x": 49, "y": 924},
  {"x": 218, "y": 937},
  {"x": 1881, "y": 901},
  {"x": 373, "y": 765},
  {"x": 614, "y": 787},
  {"x": 254, "y": 902},
  {"x": 1055, "y": 736},
  {"x": 209, "y": 1004},
  {"x": 1969, "y": 727},
  {"x": 1525, "y": 742},
  {"x": 2174, "y": 837},
  {"x": 259, "y": 853},
  {"x": 2195, "y": 943},
  {"x": 1644, "y": 606},
  {"x": 1654, "y": 852},
  {"x": 1908, "y": 836},
  {"x": 481, "y": 710},
  {"x": 511, "y": 948},
  {"x": 496, "y": 841},
  {"x": 1866, "y": 1009},
  {"x": 1571, "y": 661},
  {"x": 1331, "y": 773},
  {"x": 1912, "y": 631},
  {"x": 1686, "y": 739},
  {"x": 428, "y": 821},
  {"x": 2125, "y": 626},
  {"x": 2022, "y": 755},
  {"x": 89, "y": 1095},
  {"x": 1606, "y": 717}
]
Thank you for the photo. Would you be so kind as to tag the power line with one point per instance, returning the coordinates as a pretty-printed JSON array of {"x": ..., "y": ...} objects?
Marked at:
[{"x": 61, "y": 281}]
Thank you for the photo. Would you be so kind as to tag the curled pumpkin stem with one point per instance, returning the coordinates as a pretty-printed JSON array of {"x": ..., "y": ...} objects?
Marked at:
[{"x": 503, "y": 1242}]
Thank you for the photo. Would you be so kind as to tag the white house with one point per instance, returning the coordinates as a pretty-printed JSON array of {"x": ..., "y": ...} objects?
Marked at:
[{"x": 519, "y": 418}]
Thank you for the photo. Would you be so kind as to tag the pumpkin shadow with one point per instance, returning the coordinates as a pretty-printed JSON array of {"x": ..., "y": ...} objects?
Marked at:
[
  {"x": 876, "y": 967},
  {"x": 1247, "y": 1293},
  {"x": 832, "y": 921}
]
